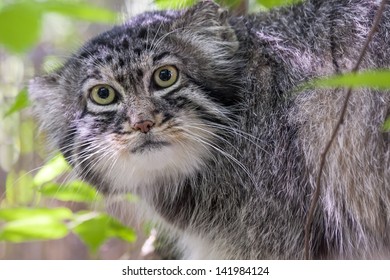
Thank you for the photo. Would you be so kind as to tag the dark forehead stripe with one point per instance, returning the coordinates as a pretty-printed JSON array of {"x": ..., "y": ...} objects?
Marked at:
[
  {"x": 121, "y": 62},
  {"x": 108, "y": 58},
  {"x": 143, "y": 33},
  {"x": 95, "y": 75},
  {"x": 140, "y": 73},
  {"x": 125, "y": 43},
  {"x": 160, "y": 57}
]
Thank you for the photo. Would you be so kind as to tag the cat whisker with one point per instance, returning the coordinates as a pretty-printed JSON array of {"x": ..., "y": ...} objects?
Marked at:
[
  {"x": 252, "y": 139},
  {"x": 214, "y": 135},
  {"x": 231, "y": 158},
  {"x": 155, "y": 35},
  {"x": 85, "y": 156}
]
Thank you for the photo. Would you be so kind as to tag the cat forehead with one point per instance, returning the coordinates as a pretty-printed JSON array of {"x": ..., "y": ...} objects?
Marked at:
[
  {"x": 126, "y": 53},
  {"x": 136, "y": 36}
]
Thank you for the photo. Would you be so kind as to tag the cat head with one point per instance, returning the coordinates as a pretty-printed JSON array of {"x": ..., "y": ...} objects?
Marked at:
[{"x": 144, "y": 101}]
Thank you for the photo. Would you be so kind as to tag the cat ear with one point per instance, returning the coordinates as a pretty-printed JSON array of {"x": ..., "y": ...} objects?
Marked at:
[
  {"x": 48, "y": 105},
  {"x": 42, "y": 91},
  {"x": 208, "y": 19},
  {"x": 206, "y": 13}
]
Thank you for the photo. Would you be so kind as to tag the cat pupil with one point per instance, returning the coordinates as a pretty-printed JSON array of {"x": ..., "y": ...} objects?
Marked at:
[
  {"x": 165, "y": 75},
  {"x": 103, "y": 92}
]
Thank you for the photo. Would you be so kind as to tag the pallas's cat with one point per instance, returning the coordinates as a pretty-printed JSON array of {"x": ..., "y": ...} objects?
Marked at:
[{"x": 196, "y": 112}]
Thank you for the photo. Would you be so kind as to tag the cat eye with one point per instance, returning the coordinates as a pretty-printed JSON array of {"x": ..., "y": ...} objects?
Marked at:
[
  {"x": 103, "y": 95},
  {"x": 165, "y": 76}
]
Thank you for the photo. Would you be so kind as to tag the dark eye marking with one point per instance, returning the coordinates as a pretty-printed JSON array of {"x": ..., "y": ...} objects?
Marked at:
[
  {"x": 121, "y": 62},
  {"x": 160, "y": 56},
  {"x": 140, "y": 73}
]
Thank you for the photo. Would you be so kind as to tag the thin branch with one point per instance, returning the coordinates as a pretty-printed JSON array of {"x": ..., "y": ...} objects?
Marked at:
[
  {"x": 240, "y": 8},
  {"x": 317, "y": 191}
]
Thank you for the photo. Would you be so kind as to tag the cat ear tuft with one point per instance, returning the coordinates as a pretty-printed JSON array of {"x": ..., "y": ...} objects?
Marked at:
[
  {"x": 47, "y": 105},
  {"x": 40, "y": 88},
  {"x": 208, "y": 20},
  {"x": 206, "y": 14}
]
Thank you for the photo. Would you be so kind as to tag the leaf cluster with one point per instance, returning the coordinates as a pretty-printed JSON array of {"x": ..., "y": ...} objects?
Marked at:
[{"x": 22, "y": 224}]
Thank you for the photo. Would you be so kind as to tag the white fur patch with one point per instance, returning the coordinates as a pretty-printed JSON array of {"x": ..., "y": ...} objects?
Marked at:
[{"x": 127, "y": 171}]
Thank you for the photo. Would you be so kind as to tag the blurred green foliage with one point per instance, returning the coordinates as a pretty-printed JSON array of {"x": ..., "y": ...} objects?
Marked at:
[
  {"x": 21, "y": 21},
  {"x": 375, "y": 79},
  {"x": 277, "y": 3},
  {"x": 169, "y": 4},
  {"x": 231, "y": 4},
  {"x": 21, "y": 102},
  {"x": 93, "y": 228},
  {"x": 21, "y": 224},
  {"x": 386, "y": 125}
]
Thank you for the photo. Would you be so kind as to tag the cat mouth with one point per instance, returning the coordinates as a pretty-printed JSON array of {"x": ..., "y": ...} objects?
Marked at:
[{"x": 149, "y": 145}]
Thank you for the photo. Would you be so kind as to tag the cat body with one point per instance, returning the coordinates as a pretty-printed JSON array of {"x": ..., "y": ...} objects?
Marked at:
[{"x": 196, "y": 112}]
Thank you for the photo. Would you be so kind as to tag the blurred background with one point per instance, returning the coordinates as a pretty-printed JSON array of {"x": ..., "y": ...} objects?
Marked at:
[{"x": 45, "y": 213}]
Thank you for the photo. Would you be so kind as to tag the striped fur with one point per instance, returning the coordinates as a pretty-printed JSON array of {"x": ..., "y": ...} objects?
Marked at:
[{"x": 231, "y": 161}]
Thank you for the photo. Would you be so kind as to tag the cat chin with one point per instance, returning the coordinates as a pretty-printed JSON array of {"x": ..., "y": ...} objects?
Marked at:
[{"x": 166, "y": 164}]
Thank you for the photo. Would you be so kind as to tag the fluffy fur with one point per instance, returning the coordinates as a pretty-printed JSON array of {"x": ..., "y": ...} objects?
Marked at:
[{"x": 240, "y": 148}]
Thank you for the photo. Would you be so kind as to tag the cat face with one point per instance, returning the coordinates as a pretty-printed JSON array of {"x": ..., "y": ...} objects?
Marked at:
[{"x": 144, "y": 101}]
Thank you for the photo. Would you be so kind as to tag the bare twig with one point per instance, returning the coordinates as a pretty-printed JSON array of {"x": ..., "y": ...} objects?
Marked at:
[
  {"x": 317, "y": 191},
  {"x": 240, "y": 8}
]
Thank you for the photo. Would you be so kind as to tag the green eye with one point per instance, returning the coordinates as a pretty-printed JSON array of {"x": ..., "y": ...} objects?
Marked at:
[
  {"x": 165, "y": 76},
  {"x": 103, "y": 95}
]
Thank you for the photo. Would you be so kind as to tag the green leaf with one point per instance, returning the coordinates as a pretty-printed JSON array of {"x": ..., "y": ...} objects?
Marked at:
[
  {"x": 375, "y": 79},
  {"x": 386, "y": 125},
  {"x": 33, "y": 228},
  {"x": 80, "y": 11},
  {"x": 25, "y": 224},
  {"x": 21, "y": 102},
  {"x": 74, "y": 191},
  {"x": 55, "y": 167},
  {"x": 174, "y": 4},
  {"x": 22, "y": 213},
  {"x": 21, "y": 22},
  {"x": 277, "y": 3},
  {"x": 20, "y": 26},
  {"x": 230, "y": 3},
  {"x": 118, "y": 230},
  {"x": 94, "y": 229},
  {"x": 18, "y": 188}
]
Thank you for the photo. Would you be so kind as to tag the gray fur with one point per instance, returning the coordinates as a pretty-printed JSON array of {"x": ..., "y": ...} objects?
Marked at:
[{"x": 236, "y": 183}]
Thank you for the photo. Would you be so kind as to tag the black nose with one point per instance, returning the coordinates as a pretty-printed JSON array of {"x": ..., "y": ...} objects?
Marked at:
[{"x": 143, "y": 126}]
